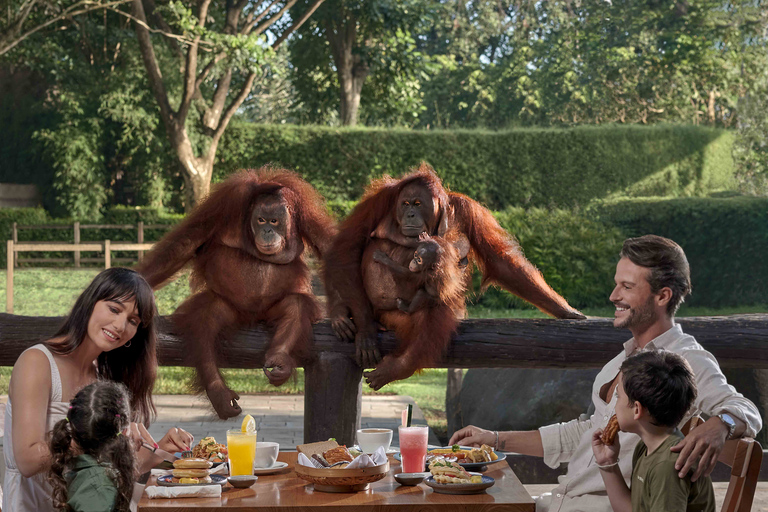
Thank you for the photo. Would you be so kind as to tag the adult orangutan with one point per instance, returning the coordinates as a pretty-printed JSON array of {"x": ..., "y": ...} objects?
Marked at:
[
  {"x": 245, "y": 242},
  {"x": 390, "y": 218}
]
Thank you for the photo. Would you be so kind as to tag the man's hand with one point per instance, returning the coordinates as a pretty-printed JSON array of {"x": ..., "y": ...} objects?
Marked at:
[
  {"x": 605, "y": 454},
  {"x": 702, "y": 444},
  {"x": 473, "y": 436}
]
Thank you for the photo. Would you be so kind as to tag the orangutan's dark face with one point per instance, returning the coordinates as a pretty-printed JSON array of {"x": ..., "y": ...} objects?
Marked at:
[
  {"x": 424, "y": 257},
  {"x": 415, "y": 210},
  {"x": 270, "y": 222}
]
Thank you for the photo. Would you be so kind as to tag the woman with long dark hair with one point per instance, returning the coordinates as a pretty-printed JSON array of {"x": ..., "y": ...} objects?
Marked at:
[{"x": 110, "y": 334}]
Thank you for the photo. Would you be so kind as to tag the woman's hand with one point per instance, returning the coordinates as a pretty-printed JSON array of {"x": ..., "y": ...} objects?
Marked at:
[{"x": 176, "y": 440}]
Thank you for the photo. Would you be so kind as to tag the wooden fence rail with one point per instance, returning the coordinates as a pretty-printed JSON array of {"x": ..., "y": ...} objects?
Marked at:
[
  {"x": 106, "y": 246},
  {"x": 76, "y": 228},
  {"x": 332, "y": 380}
]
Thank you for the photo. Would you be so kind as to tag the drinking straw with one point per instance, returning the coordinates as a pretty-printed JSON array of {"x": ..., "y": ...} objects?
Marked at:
[{"x": 410, "y": 414}]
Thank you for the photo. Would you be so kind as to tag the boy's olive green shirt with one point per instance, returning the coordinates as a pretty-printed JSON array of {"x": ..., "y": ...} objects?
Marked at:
[
  {"x": 90, "y": 489},
  {"x": 656, "y": 486}
]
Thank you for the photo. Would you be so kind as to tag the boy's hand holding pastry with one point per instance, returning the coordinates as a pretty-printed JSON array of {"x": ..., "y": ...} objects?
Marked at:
[{"x": 605, "y": 444}]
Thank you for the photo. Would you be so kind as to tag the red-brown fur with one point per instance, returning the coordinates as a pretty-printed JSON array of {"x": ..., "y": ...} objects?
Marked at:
[
  {"x": 234, "y": 285},
  {"x": 425, "y": 334}
]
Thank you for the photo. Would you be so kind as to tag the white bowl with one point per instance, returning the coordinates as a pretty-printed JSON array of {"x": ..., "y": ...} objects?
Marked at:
[{"x": 369, "y": 439}]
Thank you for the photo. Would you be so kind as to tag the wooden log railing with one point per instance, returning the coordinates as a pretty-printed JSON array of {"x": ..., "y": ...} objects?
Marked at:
[{"x": 332, "y": 379}]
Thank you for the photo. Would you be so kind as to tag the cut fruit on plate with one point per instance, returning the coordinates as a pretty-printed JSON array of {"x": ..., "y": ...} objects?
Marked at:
[{"x": 248, "y": 425}]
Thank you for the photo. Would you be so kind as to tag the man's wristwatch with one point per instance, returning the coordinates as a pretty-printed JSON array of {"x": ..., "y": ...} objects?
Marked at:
[{"x": 728, "y": 422}]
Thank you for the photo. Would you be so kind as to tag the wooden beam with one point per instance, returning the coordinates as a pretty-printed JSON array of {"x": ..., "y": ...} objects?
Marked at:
[{"x": 737, "y": 341}]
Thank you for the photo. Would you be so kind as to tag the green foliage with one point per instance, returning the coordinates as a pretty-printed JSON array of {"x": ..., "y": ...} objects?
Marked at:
[
  {"x": 521, "y": 167},
  {"x": 576, "y": 255},
  {"x": 723, "y": 239}
]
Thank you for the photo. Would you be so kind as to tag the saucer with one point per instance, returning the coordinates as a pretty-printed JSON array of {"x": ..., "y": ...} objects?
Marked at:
[{"x": 277, "y": 466}]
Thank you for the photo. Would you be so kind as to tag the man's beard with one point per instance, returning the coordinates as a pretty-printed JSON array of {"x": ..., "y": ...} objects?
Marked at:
[{"x": 638, "y": 317}]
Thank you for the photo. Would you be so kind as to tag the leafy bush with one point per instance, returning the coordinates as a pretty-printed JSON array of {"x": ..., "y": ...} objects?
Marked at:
[
  {"x": 723, "y": 238},
  {"x": 534, "y": 167}
]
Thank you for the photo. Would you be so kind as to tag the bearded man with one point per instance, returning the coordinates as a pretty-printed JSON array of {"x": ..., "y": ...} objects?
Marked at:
[{"x": 652, "y": 280}]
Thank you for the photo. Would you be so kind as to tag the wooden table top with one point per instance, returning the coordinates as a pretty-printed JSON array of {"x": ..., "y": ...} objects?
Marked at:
[{"x": 286, "y": 492}]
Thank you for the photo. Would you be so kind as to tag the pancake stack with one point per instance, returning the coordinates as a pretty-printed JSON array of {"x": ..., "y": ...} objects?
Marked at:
[{"x": 191, "y": 471}]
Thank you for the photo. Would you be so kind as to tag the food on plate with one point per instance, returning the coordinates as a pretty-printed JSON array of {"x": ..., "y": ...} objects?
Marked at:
[
  {"x": 210, "y": 450},
  {"x": 483, "y": 454},
  {"x": 447, "y": 472},
  {"x": 338, "y": 454},
  {"x": 610, "y": 431},
  {"x": 191, "y": 471}
]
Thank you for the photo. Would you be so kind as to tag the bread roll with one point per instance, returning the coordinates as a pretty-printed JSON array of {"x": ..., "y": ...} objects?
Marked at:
[
  {"x": 192, "y": 463},
  {"x": 190, "y": 473},
  {"x": 204, "y": 480}
]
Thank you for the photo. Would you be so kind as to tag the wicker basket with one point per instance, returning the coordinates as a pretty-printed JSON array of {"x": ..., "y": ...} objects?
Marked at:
[{"x": 342, "y": 480}]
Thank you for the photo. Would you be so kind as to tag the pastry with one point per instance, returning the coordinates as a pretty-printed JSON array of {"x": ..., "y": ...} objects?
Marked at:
[
  {"x": 610, "y": 431},
  {"x": 338, "y": 454}
]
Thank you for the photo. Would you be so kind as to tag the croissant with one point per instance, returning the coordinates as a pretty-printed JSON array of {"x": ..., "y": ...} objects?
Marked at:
[
  {"x": 340, "y": 454},
  {"x": 610, "y": 431}
]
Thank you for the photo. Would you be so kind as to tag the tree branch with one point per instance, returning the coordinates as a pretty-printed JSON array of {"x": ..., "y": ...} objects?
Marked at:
[
  {"x": 264, "y": 26},
  {"x": 190, "y": 70},
  {"x": 249, "y": 26},
  {"x": 72, "y": 10},
  {"x": 298, "y": 24},
  {"x": 246, "y": 89}
]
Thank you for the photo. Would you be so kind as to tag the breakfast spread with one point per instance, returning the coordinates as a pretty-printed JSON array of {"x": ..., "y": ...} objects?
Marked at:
[
  {"x": 463, "y": 456},
  {"x": 610, "y": 431},
  {"x": 326, "y": 454},
  {"x": 192, "y": 470},
  {"x": 447, "y": 472}
]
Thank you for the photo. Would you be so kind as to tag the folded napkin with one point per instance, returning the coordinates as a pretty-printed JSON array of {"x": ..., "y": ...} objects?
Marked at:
[
  {"x": 220, "y": 469},
  {"x": 377, "y": 458},
  {"x": 192, "y": 491}
]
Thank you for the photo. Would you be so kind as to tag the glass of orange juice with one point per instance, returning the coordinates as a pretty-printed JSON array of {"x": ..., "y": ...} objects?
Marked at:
[{"x": 242, "y": 450}]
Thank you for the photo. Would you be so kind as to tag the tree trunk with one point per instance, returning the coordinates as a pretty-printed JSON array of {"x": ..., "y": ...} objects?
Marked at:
[
  {"x": 352, "y": 74},
  {"x": 197, "y": 181}
]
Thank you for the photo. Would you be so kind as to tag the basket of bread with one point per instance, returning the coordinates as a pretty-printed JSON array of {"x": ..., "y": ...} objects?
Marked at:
[{"x": 331, "y": 468}]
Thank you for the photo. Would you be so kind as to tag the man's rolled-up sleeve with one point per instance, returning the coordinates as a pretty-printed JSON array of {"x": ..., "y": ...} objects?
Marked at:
[
  {"x": 561, "y": 439},
  {"x": 715, "y": 395}
]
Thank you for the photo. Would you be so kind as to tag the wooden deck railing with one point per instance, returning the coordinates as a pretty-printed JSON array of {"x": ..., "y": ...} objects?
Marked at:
[{"x": 332, "y": 379}]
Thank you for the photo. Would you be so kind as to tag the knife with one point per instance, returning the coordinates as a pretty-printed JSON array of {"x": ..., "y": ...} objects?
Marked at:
[{"x": 160, "y": 452}]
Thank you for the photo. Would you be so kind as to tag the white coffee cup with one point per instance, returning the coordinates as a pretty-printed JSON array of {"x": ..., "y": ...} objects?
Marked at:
[
  {"x": 369, "y": 439},
  {"x": 266, "y": 454}
]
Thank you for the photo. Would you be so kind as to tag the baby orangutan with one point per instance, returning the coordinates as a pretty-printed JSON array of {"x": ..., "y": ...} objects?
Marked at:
[{"x": 437, "y": 269}]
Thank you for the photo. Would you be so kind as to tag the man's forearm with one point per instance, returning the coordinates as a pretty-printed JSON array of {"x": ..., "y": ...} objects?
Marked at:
[{"x": 525, "y": 442}]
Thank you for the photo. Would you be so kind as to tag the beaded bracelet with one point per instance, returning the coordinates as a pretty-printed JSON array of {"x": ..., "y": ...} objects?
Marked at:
[{"x": 608, "y": 465}]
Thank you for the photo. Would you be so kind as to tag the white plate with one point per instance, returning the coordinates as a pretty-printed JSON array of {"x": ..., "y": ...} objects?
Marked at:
[{"x": 268, "y": 471}]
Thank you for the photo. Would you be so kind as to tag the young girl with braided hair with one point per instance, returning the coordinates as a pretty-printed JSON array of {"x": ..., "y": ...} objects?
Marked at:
[{"x": 92, "y": 462}]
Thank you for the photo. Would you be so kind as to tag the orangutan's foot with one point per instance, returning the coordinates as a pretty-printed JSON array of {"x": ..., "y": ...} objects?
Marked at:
[
  {"x": 278, "y": 367},
  {"x": 223, "y": 400},
  {"x": 389, "y": 370}
]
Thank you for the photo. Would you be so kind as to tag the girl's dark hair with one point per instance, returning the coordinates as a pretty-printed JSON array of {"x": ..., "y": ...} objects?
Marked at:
[
  {"x": 97, "y": 415},
  {"x": 134, "y": 365}
]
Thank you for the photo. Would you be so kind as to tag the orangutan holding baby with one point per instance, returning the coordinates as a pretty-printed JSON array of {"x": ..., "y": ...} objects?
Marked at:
[
  {"x": 365, "y": 278},
  {"x": 245, "y": 242}
]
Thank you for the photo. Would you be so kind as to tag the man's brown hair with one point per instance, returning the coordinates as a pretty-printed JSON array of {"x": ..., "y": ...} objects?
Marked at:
[{"x": 666, "y": 262}]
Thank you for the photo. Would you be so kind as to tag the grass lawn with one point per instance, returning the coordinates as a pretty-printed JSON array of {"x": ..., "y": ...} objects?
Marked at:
[{"x": 44, "y": 292}]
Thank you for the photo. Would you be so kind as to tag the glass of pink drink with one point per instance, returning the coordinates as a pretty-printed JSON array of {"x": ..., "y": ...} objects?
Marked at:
[{"x": 413, "y": 448}]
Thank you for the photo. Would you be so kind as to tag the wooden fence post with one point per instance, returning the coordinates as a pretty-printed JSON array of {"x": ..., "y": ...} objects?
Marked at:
[
  {"x": 107, "y": 254},
  {"x": 9, "y": 278},
  {"x": 15, "y": 240},
  {"x": 141, "y": 238},
  {"x": 77, "y": 241},
  {"x": 333, "y": 397}
]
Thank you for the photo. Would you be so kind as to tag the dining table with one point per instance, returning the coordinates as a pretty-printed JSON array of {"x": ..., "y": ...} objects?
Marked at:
[{"x": 284, "y": 491}]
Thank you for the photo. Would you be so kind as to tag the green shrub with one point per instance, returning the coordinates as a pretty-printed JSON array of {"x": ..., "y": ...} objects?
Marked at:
[
  {"x": 724, "y": 239},
  {"x": 576, "y": 255},
  {"x": 530, "y": 167}
]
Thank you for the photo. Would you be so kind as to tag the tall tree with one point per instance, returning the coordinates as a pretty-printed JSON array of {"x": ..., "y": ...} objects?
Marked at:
[
  {"x": 221, "y": 47},
  {"x": 348, "y": 41}
]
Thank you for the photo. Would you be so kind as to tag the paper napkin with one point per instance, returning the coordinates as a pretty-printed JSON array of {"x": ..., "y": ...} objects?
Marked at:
[{"x": 193, "y": 491}]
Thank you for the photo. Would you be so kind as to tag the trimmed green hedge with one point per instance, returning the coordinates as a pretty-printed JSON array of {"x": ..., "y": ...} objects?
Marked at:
[
  {"x": 529, "y": 167},
  {"x": 725, "y": 240}
]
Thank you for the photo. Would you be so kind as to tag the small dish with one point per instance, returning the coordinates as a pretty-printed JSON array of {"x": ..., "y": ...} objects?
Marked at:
[
  {"x": 242, "y": 481},
  {"x": 277, "y": 466},
  {"x": 410, "y": 478}
]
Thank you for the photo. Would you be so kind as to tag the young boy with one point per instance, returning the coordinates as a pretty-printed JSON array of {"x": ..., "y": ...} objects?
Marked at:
[{"x": 655, "y": 390}]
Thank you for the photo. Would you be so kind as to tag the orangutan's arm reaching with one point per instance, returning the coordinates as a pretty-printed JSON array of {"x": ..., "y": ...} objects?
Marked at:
[{"x": 499, "y": 257}]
